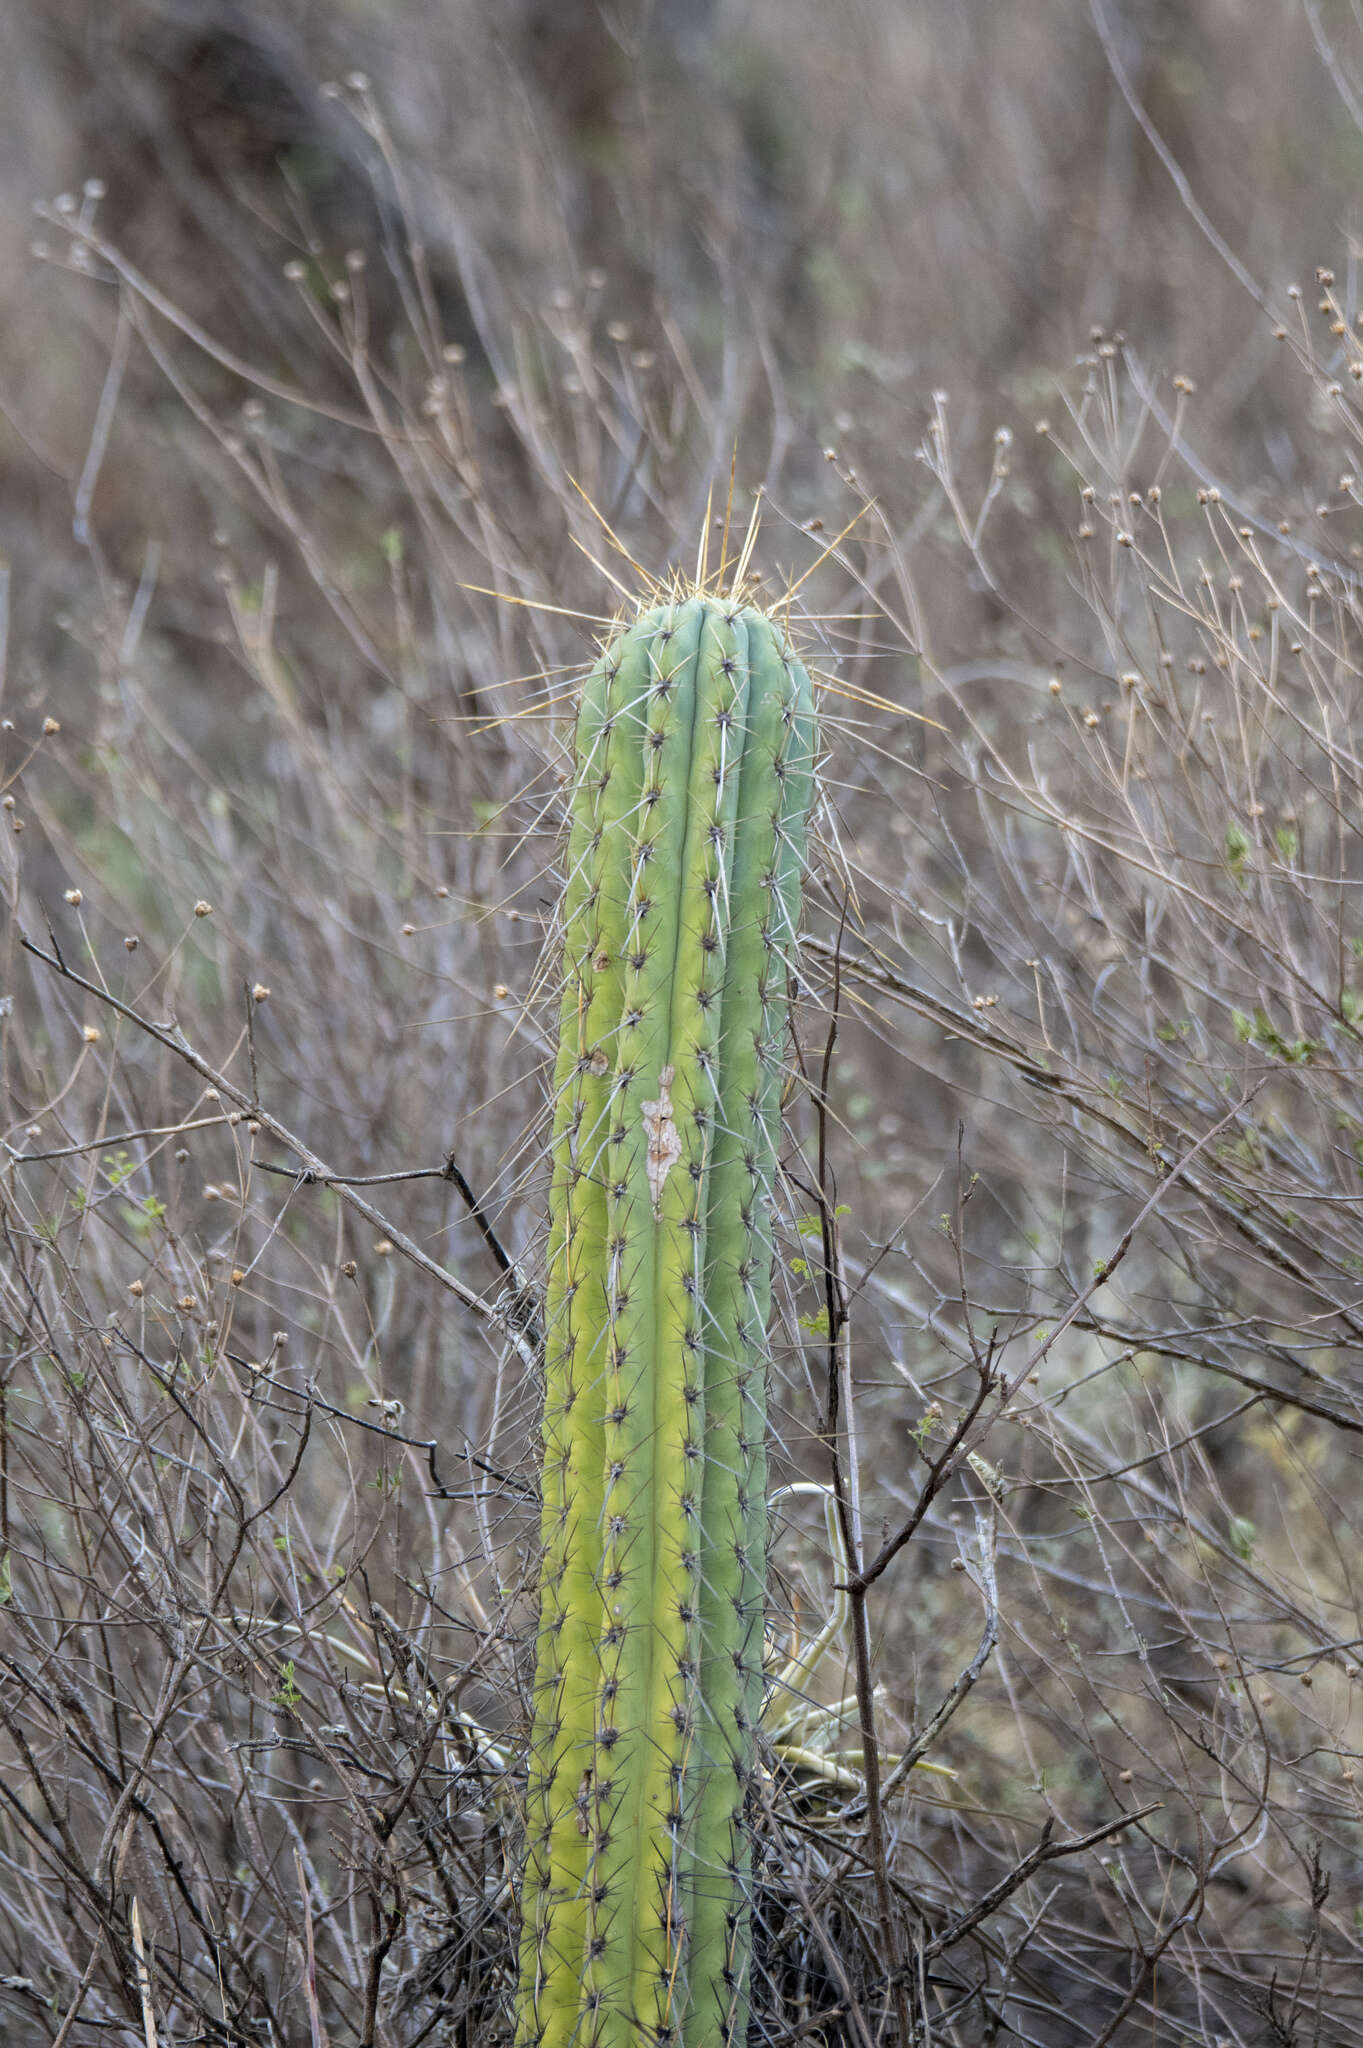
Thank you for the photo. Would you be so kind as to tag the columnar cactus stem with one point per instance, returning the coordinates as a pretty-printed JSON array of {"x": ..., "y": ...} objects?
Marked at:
[{"x": 695, "y": 746}]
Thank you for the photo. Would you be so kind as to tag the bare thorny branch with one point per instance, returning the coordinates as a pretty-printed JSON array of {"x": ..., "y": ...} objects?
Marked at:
[{"x": 518, "y": 1322}]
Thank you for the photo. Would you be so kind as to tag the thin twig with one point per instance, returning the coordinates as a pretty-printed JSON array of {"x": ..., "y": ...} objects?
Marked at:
[{"x": 311, "y": 1167}]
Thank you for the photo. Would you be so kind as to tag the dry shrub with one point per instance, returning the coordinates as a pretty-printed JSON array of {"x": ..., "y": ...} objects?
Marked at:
[{"x": 1072, "y": 1206}]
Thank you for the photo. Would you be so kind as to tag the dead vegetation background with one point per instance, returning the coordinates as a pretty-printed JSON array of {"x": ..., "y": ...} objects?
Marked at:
[{"x": 331, "y": 321}]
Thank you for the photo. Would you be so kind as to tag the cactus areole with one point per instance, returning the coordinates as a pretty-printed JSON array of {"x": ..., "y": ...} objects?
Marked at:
[{"x": 694, "y": 764}]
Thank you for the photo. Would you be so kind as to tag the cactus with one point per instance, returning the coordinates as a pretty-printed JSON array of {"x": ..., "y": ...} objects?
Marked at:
[{"x": 694, "y": 763}]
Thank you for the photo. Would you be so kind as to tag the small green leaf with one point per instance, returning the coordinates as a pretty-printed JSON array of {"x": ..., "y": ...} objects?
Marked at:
[
  {"x": 1237, "y": 850},
  {"x": 286, "y": 1694},
  {"x": 811, "y": 1224}
]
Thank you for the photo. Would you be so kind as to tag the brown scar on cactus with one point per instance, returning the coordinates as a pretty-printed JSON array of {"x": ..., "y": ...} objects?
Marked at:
[{"x": 664, "y": 1146}]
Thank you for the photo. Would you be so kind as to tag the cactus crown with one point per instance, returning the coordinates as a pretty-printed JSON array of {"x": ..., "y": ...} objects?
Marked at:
[{"x": 694, "y": 747}]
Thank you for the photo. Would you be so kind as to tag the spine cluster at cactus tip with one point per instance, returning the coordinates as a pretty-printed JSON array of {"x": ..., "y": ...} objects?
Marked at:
[{"x": 694, "y": 765}]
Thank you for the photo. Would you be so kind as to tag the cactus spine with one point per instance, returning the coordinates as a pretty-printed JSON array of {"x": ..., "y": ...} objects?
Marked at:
[{"x": 694, "y": 764}]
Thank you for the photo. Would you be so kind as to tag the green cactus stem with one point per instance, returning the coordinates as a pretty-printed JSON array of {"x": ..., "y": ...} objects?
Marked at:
[{"x": 694, "y": 765}]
